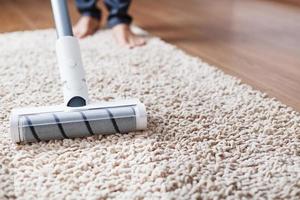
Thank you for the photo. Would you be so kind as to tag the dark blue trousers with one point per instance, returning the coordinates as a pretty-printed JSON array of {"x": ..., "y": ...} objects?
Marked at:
[{"x": 118, "y": 10}]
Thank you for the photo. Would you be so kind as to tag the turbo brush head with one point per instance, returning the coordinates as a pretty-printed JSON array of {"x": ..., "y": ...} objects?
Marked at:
[{"x": 57, "y": 122}]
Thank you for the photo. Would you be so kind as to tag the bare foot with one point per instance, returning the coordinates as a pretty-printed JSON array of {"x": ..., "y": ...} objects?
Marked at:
[
  {"x": 125, "y": 37},
  {"x": 86, "y": 26}
]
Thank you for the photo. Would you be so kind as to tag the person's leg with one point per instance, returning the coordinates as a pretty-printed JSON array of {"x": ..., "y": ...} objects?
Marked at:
[
  {"x": 88, "y": 8},
  {"x": 89, "y": 21},
  {"x": 119, "y": 20},
  {"x": 118, "y": 12}
]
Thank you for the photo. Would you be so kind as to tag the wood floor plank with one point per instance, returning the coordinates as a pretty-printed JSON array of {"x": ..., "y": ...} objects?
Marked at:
[{"x": 254, "y": 40}]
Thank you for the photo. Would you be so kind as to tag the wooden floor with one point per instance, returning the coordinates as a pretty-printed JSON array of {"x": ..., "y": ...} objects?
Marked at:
[{"x": 255, "y": 40}]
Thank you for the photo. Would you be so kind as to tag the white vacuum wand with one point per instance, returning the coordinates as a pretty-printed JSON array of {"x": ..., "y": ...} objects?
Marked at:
[
  {"x": 69, "y": 58},
  {"x": 76, "y": 118}
]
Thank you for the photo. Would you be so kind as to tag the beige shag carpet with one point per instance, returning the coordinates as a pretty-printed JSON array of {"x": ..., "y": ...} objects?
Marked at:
[{"x": 209, "y": 136}]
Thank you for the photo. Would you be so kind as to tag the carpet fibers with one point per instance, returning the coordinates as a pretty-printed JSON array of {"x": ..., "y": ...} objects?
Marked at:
[{"x": 209, "y": 136}]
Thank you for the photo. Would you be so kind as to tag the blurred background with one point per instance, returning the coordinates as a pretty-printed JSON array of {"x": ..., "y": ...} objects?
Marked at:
[{"x": 255, "y": 40}]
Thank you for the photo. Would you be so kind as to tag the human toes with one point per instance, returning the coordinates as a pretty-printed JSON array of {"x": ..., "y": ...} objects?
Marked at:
[{"x": 136, "y": 41}]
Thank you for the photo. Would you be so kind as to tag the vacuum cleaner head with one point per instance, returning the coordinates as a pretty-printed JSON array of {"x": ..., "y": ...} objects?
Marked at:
[
  {"x": 76, "y": 118},
  {"x": 55, "y": 122}
]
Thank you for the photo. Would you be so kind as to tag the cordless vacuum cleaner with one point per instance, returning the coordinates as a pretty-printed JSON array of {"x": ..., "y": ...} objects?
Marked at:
[{"x": 76, "y": 117}]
